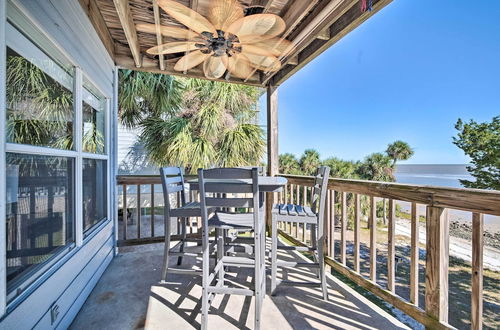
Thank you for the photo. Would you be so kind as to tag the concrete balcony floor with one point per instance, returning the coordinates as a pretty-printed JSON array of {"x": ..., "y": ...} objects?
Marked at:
[{"x": 129, "y": 296}]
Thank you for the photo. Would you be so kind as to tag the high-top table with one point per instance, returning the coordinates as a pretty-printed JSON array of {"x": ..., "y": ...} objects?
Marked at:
[{"x": 266, "y": 183}]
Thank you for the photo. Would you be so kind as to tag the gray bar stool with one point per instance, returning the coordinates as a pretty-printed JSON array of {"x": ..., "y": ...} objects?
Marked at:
[
  {"x": 310, "y": 216},
  {"x": 172, "y": 179},
  {"x": 217, "y": 189}
]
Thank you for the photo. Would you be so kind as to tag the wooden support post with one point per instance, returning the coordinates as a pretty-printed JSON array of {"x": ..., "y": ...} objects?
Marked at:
[
  {"x": 414, "y": 254},
  {"x": 373, "y": 239},
  {"x": 437, "y": 260},
  {"x": 304, "y": 201},
  {"x": 357, "y": 215},
  {"x": 391, "y": 248},
  {"x": 343, "y": 229},
  {"x": 272, "y": 144},
  {"x": 477, "y": 272}
]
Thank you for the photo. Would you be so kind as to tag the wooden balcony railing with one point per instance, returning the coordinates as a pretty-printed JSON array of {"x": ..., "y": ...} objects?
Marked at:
[
  {"x": 374, "y": 265},
  {"x": 357, "y": 245},
  {"x": 145, "y": 224}
]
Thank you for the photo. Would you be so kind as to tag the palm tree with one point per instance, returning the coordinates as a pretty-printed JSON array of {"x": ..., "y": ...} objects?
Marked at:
[
  {"x": 342, "y": 168},
  {"x": 377, "y": 167},
  {"x": 288, "y": 164},
  {"x": 399, "y": 150},
  {"x": 195, "y": 123},
  {"x": 309, "y": 161}
]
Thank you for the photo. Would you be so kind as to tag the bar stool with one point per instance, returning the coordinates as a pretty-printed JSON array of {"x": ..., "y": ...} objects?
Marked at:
[
  {"x": 314, "y": 217},
  {"x": 216, "y": 185},
  {"x": 172, "y": 179}
]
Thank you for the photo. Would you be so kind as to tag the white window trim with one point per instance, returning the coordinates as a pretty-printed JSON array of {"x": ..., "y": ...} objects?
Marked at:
[
  {"x": 77, "y": 154},
  {"x": 3, "y": 238}
]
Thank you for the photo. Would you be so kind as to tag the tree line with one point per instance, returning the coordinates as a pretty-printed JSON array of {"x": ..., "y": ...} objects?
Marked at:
[{"x": 378, "y": 166}]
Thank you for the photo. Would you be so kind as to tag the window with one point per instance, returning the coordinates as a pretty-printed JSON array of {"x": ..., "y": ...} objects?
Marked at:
[
  {"x": 94, "y": 193},
  {"x": 56, "y": 159},
  {"x": 39, "y": 212},
  {"x": 93, "y": 122},
  {"x": 39, "y": 106}
]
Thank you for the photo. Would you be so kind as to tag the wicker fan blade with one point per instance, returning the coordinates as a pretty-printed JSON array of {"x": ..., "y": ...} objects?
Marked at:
[
  {"x": 214, "y": 66},
  {"x": 167, "y": 31},
  {"x": 187, "y": 16},
  {"x": 259, "y": 26},
  {"x": 274, "y": 47},
  {"x": 190, "y": 60},
  {"x": 265, "y": 63},
  {"x": 173, "y": 47},
  {"x": 223, "y": 13},
  {"x": 239, "y": 66}
]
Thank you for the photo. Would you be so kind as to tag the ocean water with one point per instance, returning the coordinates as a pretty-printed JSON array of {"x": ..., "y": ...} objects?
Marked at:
[{"x": 444, "y": 175}]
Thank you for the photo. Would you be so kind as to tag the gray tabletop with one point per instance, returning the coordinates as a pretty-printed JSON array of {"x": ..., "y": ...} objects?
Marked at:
[{"x": 266, "y": 183}]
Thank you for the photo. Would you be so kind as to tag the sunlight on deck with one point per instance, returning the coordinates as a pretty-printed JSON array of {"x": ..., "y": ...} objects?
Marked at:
[{"x": 129, "y": 296}]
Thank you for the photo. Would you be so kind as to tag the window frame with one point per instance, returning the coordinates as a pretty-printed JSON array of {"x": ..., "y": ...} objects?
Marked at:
[{"x": 35, "y": 277}]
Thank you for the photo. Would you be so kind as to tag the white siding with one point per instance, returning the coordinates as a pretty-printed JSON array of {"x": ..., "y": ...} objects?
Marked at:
[{"x": 70, "y": 281}]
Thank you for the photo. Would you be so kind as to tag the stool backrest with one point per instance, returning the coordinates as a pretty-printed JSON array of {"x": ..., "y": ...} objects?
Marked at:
[
  {"x": 172, "y": 181},
  {"x": 319, "y": 193},
  {"x": 218, "y": 184}
]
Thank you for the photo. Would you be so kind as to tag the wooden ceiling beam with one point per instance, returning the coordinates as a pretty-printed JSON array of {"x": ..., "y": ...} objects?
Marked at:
[
  {"x": 348, "y": 21},
  {"x": 127, "y": 22},
  {"x": 94, "y": 14},
  {"x": 151, "y": 65},
  {"x": 296, "y": 13},
  {"x": 159, "y": 38}
]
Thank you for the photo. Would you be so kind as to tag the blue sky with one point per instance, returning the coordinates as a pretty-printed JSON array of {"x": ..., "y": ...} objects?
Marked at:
[{"x": 407, "y": 73}]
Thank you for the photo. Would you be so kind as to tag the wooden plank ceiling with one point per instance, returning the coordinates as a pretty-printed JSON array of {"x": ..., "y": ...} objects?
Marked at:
[{"x": 312, "y": 26}]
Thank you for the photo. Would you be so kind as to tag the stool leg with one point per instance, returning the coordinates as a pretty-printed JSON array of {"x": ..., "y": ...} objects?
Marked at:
[
  {"x": 274, "y": 253},
  {"x": 205, "y": 284},
  {"x": 322, "y": 274},
  {"x": 166, "y": 248},
  {"x": 219, "y": 236},
  {"x": 183, "y": 239}
]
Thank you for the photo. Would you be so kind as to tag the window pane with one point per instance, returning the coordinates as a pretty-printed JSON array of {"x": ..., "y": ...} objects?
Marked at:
[
  {"x": 39, "y": 212},
  {"x": 93, "y": 123},
  {"x": 94, "y": 192},
  {"x": 39, "y": 107}
]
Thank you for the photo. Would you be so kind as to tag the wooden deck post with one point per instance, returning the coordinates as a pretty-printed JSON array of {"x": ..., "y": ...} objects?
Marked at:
[
  {"x": 272, "y": 144},
  {"x": 437, "y": 260},
  {"x": 477, "y": 271}
]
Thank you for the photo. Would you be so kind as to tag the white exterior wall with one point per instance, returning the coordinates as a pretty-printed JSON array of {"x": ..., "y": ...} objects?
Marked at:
[{"x": 68, "y": 283}]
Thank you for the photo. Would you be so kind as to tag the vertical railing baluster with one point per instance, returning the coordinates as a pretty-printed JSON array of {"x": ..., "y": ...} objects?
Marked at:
[
  {"x": 437, "y": 262},
  {"x": 327, "y": 222},
  {"x": 343, "y": 229},
  {"x": 291, "y": 202},
  {"x": 152, "y": 210},
  {"x": 477, "y": 271},
  {"x": 304, "y": 201},
  {"x": 373, "y": 239},
  {"x": 391, "y": 248},
  {"x": 125, "y": 215},
  {"x": 357, "y": 213},
  {"x": 297, "y": 202},
  {"x": 414, "y": 254},
  {"x": 332, "y": 225},
  {"x": 138, "y": 211}
]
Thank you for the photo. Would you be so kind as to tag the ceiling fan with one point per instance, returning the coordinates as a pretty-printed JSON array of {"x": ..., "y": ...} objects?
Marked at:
[{"x": 226, "y": 40}]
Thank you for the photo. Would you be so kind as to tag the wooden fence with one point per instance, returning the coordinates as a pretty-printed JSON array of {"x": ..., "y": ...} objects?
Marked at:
[{"x": 348, "y": 201}]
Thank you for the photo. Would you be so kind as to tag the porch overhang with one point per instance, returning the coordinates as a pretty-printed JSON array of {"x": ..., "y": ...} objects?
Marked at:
[{"x": 311, "y": 26}]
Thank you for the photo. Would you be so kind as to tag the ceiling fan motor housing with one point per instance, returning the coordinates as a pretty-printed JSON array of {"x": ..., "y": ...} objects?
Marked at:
[{"x": 220, "y": 45}]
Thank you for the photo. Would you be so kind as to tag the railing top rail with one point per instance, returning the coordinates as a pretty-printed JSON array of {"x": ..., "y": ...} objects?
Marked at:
[{"x": 473, "y": 200}]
